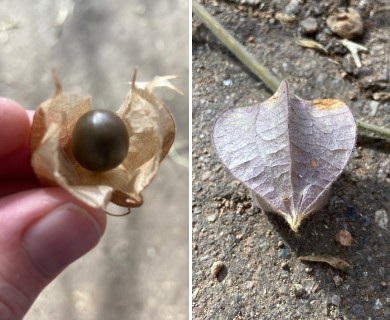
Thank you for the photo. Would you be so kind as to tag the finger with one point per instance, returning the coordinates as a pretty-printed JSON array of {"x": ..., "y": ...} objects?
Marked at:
[
  {"x": 42, "y": 232},
  {"x": 17, "y": 166},
  {"x": 9, "y": 187},
  {"x": 14, "y": 127},
  {"x": 15, "y": 153}
]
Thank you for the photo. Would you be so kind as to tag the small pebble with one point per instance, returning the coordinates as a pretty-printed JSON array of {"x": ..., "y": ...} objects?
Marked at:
[
  {"x": 364, "y": 4},
  {"x": 195, "y": 293},
  {"x": 308, "y": 269},
  {"x": 197, "y": 210},
  {"x": 352, "y": 95},
  {"x": 240, "y": 208},
  {"x": 383, "y": 284},
  {"x": 280, "y": 244},
  {"x": 338, "y": 281},
  {"x": 356, "y": 154},
  {"x": 384, "y": 169},
  {"x": 284, "y": 276},
  {"x": 298, "y": 290},
  {"x": 206, "y": 175},
  {"x": 227, "y": 82},
  {"x": 374, "y": 108},
  {"x": 197, "y": 187},
  {"x": 381, "y": 219},
  {"x": 293, "y": 7},
  {"x": 381, "y": 96},
  {"x": 284, "y": 17},
  {"x": 250, "y": 284},
  {"x": 285, "y": 265},
  {"x": 211, "y": 218},
  {"x": 335, "y": 300},
  {"x": 378, "y": 305},
  {"x": 216, "y": 268},
  {"x": 264, "y": 245},
  {"x": 346, "y": 23},
  {"x": 344, "y": 237},
  {"x": 251, "y": 2},
  {"x": 308, "y": 285},
  {"x": 309, "y": 25},
  {"x": 282, "y": 289}
]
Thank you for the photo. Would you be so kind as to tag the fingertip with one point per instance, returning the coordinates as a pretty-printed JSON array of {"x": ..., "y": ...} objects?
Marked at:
[{"x": 14, "y": 126}]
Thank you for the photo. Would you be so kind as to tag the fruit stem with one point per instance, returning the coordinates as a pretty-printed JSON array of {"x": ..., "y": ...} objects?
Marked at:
[{"x": 258, "y": 69}]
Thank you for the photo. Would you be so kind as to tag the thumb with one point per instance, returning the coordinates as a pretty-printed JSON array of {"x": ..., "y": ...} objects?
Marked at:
[{"x": 41, "y": 232}]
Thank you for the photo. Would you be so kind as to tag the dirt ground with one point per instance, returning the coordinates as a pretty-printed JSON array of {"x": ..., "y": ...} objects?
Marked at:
[
  {"x": 140, "y": 268},
  {"x": 259, "y": 274}
]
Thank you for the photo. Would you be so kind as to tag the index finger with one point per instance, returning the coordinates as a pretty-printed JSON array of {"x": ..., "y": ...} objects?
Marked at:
[{"x": 15, "y": 124}]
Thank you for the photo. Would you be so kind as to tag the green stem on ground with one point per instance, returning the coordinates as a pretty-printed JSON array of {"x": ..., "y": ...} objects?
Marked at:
[
  {"x": 372, "y": 128},
  {"x": 257, "y": 68},
  {"x": 235, "y": 47}
]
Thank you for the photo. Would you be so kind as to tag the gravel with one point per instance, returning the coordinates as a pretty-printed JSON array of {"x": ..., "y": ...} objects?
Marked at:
[{"x": 309, "y": 26}]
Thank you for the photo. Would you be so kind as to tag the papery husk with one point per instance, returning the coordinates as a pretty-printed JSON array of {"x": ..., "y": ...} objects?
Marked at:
[
  {"x": 287, "y": 150},
  {"x": 151, "y": 131}
]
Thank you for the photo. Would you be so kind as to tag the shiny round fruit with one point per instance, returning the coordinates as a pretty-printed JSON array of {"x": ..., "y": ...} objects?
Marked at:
[{"x": 100, "y": 140}]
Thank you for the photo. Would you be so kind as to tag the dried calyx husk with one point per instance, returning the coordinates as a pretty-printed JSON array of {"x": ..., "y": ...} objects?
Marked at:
[
  {"x": 287, "y": 150},
  {"x": 151, "y": 130}
]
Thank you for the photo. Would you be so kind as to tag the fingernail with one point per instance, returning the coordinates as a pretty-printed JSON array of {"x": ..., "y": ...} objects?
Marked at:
[{"x": 61, "y": 237}]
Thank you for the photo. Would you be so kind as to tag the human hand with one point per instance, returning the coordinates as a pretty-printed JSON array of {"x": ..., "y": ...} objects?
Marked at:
[{"x": 42, "y": 230}]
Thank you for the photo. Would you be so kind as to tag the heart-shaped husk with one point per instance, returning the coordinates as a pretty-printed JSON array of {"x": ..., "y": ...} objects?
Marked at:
[{"x": 288, "y": 151}]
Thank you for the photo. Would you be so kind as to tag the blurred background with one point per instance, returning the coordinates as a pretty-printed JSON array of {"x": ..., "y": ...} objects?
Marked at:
[{"x": 140, "y": 268}]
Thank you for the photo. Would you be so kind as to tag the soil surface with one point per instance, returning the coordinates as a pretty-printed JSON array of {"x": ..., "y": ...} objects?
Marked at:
[
  {"x": 246, "y": 262},
  {"x": 139, "y": 270}
]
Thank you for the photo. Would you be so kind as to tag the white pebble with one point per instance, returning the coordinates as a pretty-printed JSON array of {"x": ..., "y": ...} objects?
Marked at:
[{"x": 381, "y": 218}]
